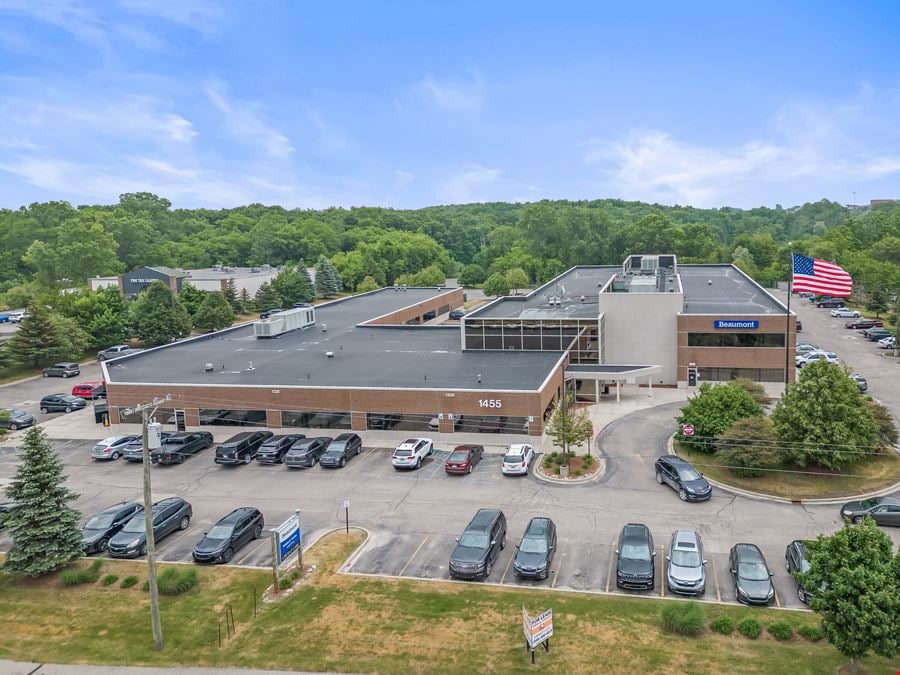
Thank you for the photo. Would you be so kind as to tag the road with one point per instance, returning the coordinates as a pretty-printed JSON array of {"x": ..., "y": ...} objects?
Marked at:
[{"x": 27, "y": 395}]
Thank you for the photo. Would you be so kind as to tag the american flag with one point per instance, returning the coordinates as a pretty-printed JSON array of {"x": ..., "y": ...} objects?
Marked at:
[{"x": 820, "y": 277}]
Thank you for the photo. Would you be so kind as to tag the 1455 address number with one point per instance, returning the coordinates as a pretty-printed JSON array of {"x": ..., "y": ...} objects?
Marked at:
[{"x": 490, "y": 403}]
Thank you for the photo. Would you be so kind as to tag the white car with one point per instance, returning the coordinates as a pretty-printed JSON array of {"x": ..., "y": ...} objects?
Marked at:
[
  {"x": 411, "y": 452},
  {"x": 807, "y": 347},
  {"x": 887, "y": 342},
  {"x": 16, "y": 317},
  {"x": 517, "y": 459},
  {"x": 111, "y": 448},
  {"x": 812, "y": 357},
  {"x": 845, "y": 313}
]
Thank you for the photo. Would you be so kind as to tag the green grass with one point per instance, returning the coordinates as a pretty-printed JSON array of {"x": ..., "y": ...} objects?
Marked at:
[
  {"x": 362, "y": 624},
  {"x": 868, "y": 475}
]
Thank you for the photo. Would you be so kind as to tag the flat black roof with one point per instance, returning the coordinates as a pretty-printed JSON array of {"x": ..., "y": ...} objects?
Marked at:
[
  {"x": 370, "y": 357},
  {"x": 731, "y": 292}
]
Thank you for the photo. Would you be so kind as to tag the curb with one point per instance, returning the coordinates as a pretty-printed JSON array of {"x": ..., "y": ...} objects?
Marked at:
[
  {"x": 763, "y": 497},
  {"x": 578, "y": 481}
]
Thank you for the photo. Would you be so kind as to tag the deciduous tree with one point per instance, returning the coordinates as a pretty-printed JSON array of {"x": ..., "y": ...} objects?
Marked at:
[
  {"x": 748, "y": 446},
  {"x": 158, "y": 317},
  {"x": 214, "y": 312},
  {"x": 191, "y": 297},
  {"x": 366, "y": 285},
  {"x": 712, "y": 410},
  {"x": 496, "y": 284},
  {"x": 569, "y": 427},
  {"x": 516, "y": 278},
  {"x": 878, "y": 301}
]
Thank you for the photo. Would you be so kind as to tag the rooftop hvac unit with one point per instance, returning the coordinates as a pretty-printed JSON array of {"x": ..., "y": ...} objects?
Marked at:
[
  {"x": 649, "y": 264},
  {"x": 279, "y": 323}
]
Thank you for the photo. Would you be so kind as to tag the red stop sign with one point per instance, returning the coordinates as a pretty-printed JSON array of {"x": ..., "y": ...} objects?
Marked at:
[{"x": 687, "y": 430}]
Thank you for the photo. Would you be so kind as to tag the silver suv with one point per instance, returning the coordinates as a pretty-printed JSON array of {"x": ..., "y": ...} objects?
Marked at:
[{"x": 685, "y": 571}]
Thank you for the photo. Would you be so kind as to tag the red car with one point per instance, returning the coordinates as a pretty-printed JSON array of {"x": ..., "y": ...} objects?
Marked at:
[
  {"x": 463, "y": 459},
  {"x": 864, "y": 323},
  {"x": 89, "y": 390}
]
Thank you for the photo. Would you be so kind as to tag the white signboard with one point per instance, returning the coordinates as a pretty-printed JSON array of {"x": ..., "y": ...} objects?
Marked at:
[{"x": 537, "y": 629}]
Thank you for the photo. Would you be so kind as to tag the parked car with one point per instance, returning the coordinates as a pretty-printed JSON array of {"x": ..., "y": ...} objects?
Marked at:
[
  {"x": 678, "y": 474},
  {"x": 241, "y": 448},
  {"x": 492, "y": 425},
  {"x": 178, "y": 447},
  {"x": 860, "y": 382},
  {"x": 864, "y": 323},
  {"x": 806, "y": 294},
  {"x": 535, "y": 551},
  {"x": 5, "y": 509},
  {"x": 274, "y": 449},
  {"x": 752, "y": 578},
  {"x": 685, "y": 564},
  {"x": 18, "y": 317},
  {"x": 90, "y": 391},
  {"x": 887, "y": 342},
  {"x": 806, "y": 348},
  {"x": 812, "y": 357},
  {"x": 4, "y": 318},
  {"x": 457, "y": 314},
  {"x": 876, "y": 333},
  {"x": 517, "y": 459},
  {"x": 463, "y": 458},
  {"x": 64, "y": 369},
  {"x": 796, "y": 563},
  {"x": 233, "y": 531},
  {"x": 134, "y": 451},
  {"x": 306, "y": 452},
  {"x": 831, "y": 302},
  {"x": 115, "y": 351},
  {"x": 383, "y": 421},
  {"x": 411, "y": 453},
  {"x": 340, "y": 450},
  {"x": 111, "y": 448},
  {"x": 16, "y": 419},
  {"x": 479, "y": 545},
  {"x": 61, "y": 403},
  {"x": 103, "y": 526},
  {"x": 168, "y": 515},
  {"x": 884, "y": 510},
  {"x": 634, "y": 558},
  {"x": 799, "y": 324},
  {"x": 845, "y": 313}
]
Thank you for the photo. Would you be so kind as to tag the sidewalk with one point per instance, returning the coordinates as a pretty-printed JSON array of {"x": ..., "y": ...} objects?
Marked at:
[{"x": 24, "y": 668}]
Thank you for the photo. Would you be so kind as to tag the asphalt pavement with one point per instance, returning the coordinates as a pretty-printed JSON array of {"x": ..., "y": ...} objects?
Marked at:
[{"x": 26, "y": 395}]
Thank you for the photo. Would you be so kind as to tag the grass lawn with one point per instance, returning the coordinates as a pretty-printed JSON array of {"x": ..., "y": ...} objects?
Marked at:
[
  {"x": 347, "y": 623},
  {"x": 16, "y": 373},
  {"x": 866, "y": 476}
]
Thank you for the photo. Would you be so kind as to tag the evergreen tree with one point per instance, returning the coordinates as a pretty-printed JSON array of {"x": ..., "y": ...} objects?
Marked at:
[
  {"x": 307, "y": 282},
  {"x": 191, "y": 297},
  {"x": 231, "y": 297},
  {"x": 44, "y": 529},
  {"x": 878, "y": 302},
  {"x": 292, "y": 286},
  {"x": 214, "y": 313},
  {"x": 39, "y": 340},
  {"x": 324, "y": 282},
  {"x": 366, "y": 285},
  {"x": 267, "y": 297},
  {"x": 247, "y": 303},
  {"x": 158, "y": 316},
  {"x": 333, "y": 277}
]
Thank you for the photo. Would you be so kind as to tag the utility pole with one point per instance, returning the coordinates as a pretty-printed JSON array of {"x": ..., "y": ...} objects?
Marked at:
[{"x": 143, "y": 408}]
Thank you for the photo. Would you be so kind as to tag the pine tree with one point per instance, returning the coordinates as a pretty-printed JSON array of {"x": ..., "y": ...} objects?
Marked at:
[
  {"x": 39, "y": 340},
  {"x": 267, "y": 297},
  {"x": 44, "y": 529},
  {"x": 292, "y": 286},
  {"x": 324, "y": 280},
  {"x": 214, "y": 313},
  {"x": 231, "y": 296},
  {"x": 158, "y": 316},
  {"x": 247, "y": 303},
  {"x": 191, "y": 297},
  {"x": 308, "y": 284}
]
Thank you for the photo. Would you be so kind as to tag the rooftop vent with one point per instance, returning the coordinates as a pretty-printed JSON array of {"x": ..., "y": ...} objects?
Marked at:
[
  {"x": 208, "y": 367},
  {"x": 329, "y": 355}
]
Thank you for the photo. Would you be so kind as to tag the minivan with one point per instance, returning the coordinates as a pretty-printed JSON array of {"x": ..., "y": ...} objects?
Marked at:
[
  {"x": 478, "y": 547},
  {"x": 241, "y": 448}
]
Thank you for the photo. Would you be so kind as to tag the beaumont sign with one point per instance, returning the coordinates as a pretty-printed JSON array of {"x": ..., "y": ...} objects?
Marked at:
[
  {"x": 735, "y": 324},
  {"x": 288, "y": 537}
]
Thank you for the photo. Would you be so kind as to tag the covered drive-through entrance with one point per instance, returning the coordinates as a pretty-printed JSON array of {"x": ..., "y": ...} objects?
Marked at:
[{"x": 607, "y": 377}]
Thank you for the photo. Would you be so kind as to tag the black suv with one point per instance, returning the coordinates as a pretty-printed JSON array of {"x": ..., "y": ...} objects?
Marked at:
[
  {"x": 274, "y": 449},
  {"x": 61, "y": 403},
  {"x": 830, "y": 303},
  {"x": 64, "y": 370},
  {"x": 689, "y": 483},
  {"x": 178, "y": 447},
  {"x": 340, "y": 450},
  {"x": 232, "y": 532},
  {"x": 241, "y": 448},
  {"x": 480, "y": 544},
  {"x": 635, "y": 566},
  {"x": 796, "y": 563},
  {"x": 168, "y": 515},
  {"x": 306, "y": 452},
  {"x": 101, "y": 527},
  {"x": 536, "y": 549}
]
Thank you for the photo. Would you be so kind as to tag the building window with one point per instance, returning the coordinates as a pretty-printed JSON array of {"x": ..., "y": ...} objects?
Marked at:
[
  {"x": 232, "y": 418},
  {"x": 728, "y": 374},
  {"x": 736, "y": 340},
  {"x": 315, "y": 419}
]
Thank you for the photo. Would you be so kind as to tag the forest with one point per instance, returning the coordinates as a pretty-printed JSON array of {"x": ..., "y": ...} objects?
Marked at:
[{"x": 54, "y": 245}]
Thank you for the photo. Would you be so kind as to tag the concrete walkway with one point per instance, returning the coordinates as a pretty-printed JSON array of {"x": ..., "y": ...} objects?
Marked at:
[{"x": 24, "y": 668}]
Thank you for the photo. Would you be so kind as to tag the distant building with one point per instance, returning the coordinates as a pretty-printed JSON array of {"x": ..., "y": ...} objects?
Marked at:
[{"x": 133, "y": 282}]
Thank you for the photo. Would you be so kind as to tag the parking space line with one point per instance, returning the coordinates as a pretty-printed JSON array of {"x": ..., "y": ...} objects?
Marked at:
[
  {"x": 662, "y": 571},
  {"x": 503, "y": 578},
  {"x": 716, "y": 577},
  {"x": 262, "y": 540},
  {"x": 559, "y": 564},
  {"x": 418, "y": 548},
  {"x": 777, "y": 601},
  {"x": 609, "y": 571}
]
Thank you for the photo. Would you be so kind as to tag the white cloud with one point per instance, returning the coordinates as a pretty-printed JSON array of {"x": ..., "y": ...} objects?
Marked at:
[
  {"x": 71, "y": 16},
  {"x": 244, "y": 121},
  {"x": 467, "y": 185},
  {"x": 453, "y": 95},
  {"x": 200, "y": 15}
]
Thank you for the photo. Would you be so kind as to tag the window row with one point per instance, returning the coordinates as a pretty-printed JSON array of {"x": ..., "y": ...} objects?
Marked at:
[{"x": 736, "y": 340}]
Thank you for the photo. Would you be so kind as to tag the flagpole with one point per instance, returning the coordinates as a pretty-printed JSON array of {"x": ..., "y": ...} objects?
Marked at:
[{"x": 787, "y": 325}]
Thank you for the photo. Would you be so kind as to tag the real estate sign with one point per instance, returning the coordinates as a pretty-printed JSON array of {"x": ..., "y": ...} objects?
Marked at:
[{"x": 537, "y": 629}]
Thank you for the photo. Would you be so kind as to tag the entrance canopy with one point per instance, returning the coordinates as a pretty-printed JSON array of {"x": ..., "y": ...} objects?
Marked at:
[{"x": 610, "y": 373}]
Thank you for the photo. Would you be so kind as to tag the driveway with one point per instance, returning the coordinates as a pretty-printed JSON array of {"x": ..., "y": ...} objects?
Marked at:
[{"x": 27, "y": 395}]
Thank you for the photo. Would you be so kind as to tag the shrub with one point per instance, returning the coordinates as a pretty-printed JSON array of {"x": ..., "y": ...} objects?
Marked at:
[
  {"x": 748, "y": 444},
  {"x": 887, "y": 430},
  {"x": 556, "y": 471},
  {"x": 548, "y": 463},
  {"x": 755, "y": 389},
  {"x": 576, "y": 473},
  {"x": 722, "y": 625},
  {"x": 285, "y": 583},
  {"x": 811, "y": 633},
  {"x": 87, "y": 575},
  {"x": 128, "y": 582},
  {"x": 749, "y": 628},
  {"x": 712, "y": 410},
  {"x": 683, "y": 618},
  {"x": 780, "y": 630},
  {"x": 587, "y": 460},
  {"x": 175, "y": 582},
  {"x": 147, "y": 585},
  {"x": 554, "y": 454},
  {"x": 110, "y": 579}
]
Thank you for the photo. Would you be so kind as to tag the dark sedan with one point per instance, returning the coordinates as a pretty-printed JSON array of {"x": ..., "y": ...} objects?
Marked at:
[
  {"x": 752, "y": 578},
  {"x": 274, "y": 449},
  {"x": 535, "y": 551},
  {"x": 16, "y": 419},
  {"x": 689, "y": 483},
  {"x": 796, "y": 563},
  {"x": 306, "y": 452},
  {"x": 340, "y": 450},
  {"x": 464, "y": 458},
  {"x": 168, "y": 515},
  {"x": 61, "y": 403},
  {"x": 883, "y": 510},
  {"x": 229, "y": 535},
  {"x": 101, "y": 527},
  {"x": 635, "y": 566}
]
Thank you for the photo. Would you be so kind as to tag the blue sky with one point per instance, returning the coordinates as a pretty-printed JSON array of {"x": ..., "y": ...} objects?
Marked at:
[{"x": 408, "y": 104}]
